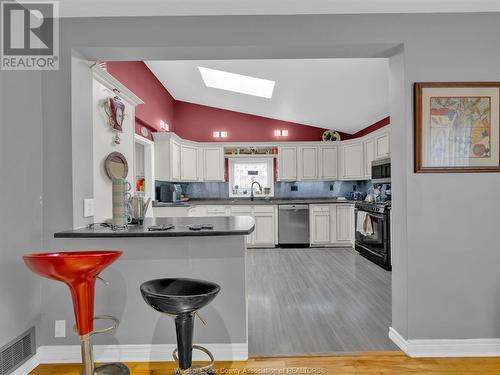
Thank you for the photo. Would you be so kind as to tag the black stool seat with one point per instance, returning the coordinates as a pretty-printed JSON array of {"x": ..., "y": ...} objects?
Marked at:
[
  {"x": 181, "y": 298},
  {"x": 178, "y": 296}
]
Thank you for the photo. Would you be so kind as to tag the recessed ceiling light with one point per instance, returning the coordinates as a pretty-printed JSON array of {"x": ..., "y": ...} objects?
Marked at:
[{"x": 237, "y": 82}]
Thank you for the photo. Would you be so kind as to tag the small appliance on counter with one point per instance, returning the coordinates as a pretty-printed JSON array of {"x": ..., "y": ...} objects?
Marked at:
[
  {"x": 138, "y": 208},
  {"x": 167, "y": 192}
]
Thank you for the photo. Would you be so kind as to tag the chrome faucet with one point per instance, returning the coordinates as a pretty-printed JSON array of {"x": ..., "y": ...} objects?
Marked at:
[{"x": 251, "y": 189}]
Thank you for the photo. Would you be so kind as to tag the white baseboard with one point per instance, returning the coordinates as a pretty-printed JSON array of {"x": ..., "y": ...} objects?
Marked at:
[
  {"x": 446, "y": 348},
  {"x": 28, "y": 366},
  {"x": 138, "y": 353}
]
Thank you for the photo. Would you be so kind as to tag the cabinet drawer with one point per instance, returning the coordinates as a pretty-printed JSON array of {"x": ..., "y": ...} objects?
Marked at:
[
  {"x": 241, "y": 210},
  {"x": 263, "y": 209},
  {"x": 320, "y": 208},
  {"x": 216, "y": 209}
]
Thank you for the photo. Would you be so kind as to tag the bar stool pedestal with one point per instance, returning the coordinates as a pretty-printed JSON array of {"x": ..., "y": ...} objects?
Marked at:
[
  {"x": 182, "y": 298},
  {"x": 79, "y": 270}
]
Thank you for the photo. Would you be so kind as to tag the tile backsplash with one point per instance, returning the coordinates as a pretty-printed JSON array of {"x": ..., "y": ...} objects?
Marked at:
[{"x": 316, "y": 189}]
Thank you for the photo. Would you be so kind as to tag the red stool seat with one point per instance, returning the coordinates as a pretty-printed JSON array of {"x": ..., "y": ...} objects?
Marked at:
[{"x": 78, "y": 270}]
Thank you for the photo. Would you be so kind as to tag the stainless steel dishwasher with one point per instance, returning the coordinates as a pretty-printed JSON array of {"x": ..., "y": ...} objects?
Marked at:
[{"x": 293, "y": 224}]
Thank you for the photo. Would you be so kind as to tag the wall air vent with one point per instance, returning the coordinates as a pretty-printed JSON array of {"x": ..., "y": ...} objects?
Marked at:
[{"x": 17, "y": 352}]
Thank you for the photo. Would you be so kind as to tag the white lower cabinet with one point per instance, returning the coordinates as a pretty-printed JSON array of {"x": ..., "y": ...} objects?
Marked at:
[
  {"x": 319, "y": 227},
  {"x": 265, "y": 225},
  {"x": 265, "y": 218},
  {"x": 344, "y": 223},
  {"x": 331, "y": 224}
]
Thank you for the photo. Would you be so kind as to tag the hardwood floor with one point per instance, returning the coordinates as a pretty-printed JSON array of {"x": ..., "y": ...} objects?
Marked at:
[
  {"x": 382, "y": 363},
  {"x": 316, "y": 301}
]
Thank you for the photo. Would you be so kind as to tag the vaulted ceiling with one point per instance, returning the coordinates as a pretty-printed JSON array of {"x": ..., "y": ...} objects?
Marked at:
[{"x": 341, "y": 94}]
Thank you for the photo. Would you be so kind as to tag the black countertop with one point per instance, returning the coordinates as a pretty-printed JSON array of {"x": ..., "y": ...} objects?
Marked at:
[
  {"x": 222, "y": 226},
  {"x": 257, "y": 201}
]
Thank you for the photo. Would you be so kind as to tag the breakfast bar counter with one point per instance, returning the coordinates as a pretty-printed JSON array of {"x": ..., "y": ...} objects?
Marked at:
[
  {"x": 217, "y": 255},
  {"x": 172, "y": 227}
]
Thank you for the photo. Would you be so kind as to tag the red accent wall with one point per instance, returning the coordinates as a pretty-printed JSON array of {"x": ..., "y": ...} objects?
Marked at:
[
  {"x": 372, "y": 128},
  {"x": 198, "y": 122},
  {"x": 159, "y": 104}
]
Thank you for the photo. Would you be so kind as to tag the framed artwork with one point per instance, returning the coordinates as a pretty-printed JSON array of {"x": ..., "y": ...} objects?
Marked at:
[{"x": 457, "y": 127}]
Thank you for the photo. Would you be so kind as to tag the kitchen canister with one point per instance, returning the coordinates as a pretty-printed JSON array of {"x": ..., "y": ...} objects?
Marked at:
[{"x": 121, "y": 206}]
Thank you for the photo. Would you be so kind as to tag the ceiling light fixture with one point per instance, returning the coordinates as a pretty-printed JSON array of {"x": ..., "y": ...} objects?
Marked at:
[
  {"x": 164, "y": 125},
  {"x": 220, "y": 134},
  {"x": 281, "y": 133},
  {"x": 237, "y": 82}
]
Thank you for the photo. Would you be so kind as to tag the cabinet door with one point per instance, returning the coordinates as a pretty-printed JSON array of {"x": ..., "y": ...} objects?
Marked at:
[
  {"x": 264, "y": 229},
  {"x": 352, "y": 161},
  {"x": 308, "y": 162},
  {"x": 320, "y": 225},
  {"x": 189, "y": 163},
  {"x": 382, "y": 146},
  {"x": 213, "y": 164},
  {"x": 243, "y": 211},
  {"x": 328, "y": 162},
  {"x": 369, "y": 145},
  {"x": 175, "y": 161},
  {"x": 345, "y": 223},
  {"x": 287, "y": 163}
]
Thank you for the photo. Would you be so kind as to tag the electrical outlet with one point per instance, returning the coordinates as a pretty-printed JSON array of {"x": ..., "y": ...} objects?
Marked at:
[
  {"x": 60, "y": 328},
  {"x": 88, "y": 207}
]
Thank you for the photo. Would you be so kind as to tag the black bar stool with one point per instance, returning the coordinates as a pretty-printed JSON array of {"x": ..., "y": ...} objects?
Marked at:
[{"x": 182, "y": 298}]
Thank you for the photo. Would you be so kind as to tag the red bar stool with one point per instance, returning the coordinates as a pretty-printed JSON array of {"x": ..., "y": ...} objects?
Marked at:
[{"x": 79, "y": 270}]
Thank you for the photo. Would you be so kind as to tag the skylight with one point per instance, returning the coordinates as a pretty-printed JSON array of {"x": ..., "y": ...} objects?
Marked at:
[{"x": 237, "y": 82}]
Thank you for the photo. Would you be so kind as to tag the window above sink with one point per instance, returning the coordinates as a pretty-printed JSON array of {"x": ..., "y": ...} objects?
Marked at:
[{"x": 243, "y": 172}]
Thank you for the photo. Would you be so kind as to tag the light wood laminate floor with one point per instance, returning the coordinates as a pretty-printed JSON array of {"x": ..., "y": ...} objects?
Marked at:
[
  {"x": 362, "y": 364},
  {"x": 316, "y": 301}
]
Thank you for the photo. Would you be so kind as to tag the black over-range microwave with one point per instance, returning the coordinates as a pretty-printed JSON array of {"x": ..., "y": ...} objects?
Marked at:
[{"x": 381, "y": 171}]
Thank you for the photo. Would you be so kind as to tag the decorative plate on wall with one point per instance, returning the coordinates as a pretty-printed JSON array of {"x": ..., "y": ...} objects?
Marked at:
[
  {"x": 144, "y": 131},
  {"x": 116, "y": 165},
  {"x": 331, "y": 135},
  {"x": 115, "y": 109}
]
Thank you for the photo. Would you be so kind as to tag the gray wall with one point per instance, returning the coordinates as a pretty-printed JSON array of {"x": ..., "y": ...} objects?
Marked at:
[
  {"x": 447, "y": 252},
  {"x": 20, "y": 200},
  {"x": 219, "y": 259}
]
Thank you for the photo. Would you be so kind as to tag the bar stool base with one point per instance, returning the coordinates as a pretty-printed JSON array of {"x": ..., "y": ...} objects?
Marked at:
[{"x": 112, "y": 369}]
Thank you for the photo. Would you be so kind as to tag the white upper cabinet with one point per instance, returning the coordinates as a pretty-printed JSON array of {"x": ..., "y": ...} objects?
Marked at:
[
  {"x": 180, "y": 160},
  {"x": 369, "y": 146},
  {"x": 287, "y": 163},
  {"x": 175, "y": 157},
  {"x": 213, "y": 164},
  {"x": 328, "y": 161},
  {"x": 352, "y": 161},
  {"x": 167, "y": 158},
  {"x": 189, "y": 163},
  {"x": 382, "y": 146},
  {"x": 308, "y": 163}
]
